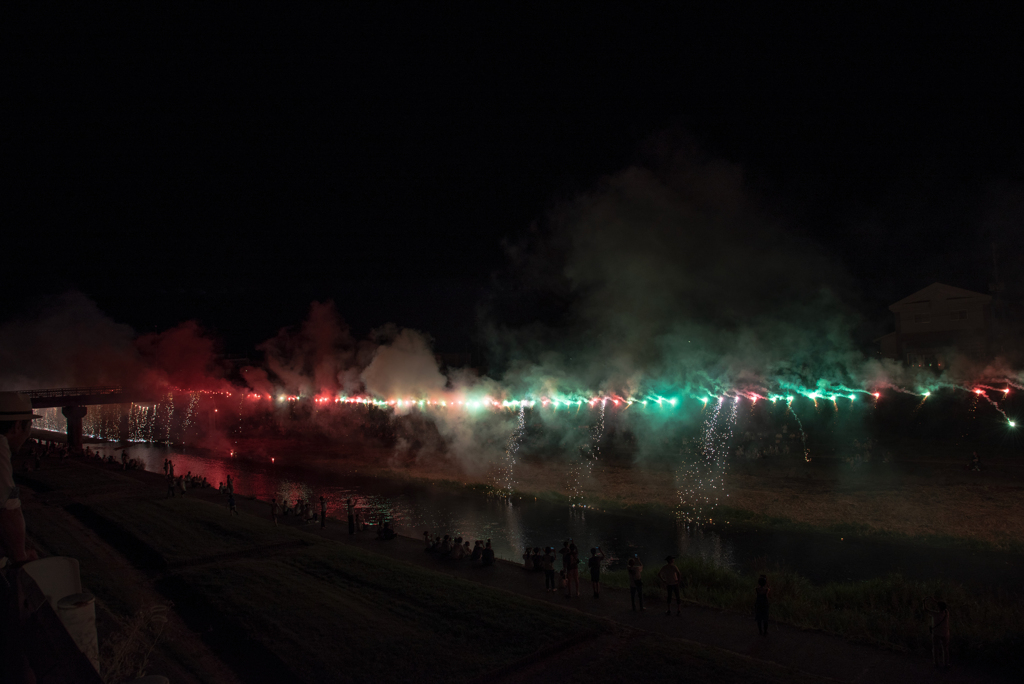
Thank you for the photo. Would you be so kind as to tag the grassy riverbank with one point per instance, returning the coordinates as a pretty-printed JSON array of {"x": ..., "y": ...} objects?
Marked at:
[
  {"x": 280, "y": 604},
  {"x": 988, "y": 626},
  {"x": 883, "y": 610}
]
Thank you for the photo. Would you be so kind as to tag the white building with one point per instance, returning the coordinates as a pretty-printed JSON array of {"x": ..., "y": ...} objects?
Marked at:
[{"x": 937, "y": 322}]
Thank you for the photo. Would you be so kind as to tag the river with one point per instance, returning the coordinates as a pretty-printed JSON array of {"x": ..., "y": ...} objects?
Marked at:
[{"x": 512, "y": 526}]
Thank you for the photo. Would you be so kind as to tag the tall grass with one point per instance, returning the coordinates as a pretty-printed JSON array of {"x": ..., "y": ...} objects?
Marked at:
[{"x": 986, "y": 625}]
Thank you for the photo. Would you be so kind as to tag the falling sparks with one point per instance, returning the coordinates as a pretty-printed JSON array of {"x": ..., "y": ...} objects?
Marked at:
[
  {"x": 803, "y": 435},
  {"x": 505, "y": 478},
  {"x": 169, "y": 417},
  {"x": 701, "y": 477},
  {"x": 984, "y": 395},
  {"x": 589, "y": 453},
  {"x": 193, "y": 400}
]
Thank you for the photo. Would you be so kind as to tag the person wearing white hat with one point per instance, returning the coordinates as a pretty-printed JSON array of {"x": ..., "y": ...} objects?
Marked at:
[{"x": 16, "y": 418}]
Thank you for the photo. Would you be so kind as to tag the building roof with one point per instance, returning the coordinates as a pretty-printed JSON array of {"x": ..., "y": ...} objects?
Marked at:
[{"x": 938, "y": 291}]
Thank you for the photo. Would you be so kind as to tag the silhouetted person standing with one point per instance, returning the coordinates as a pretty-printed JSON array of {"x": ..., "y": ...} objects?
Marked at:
[
  {"x": 351, "y": 516},
  {"x": 594, "y": 563},
  {"x": 16, "y": 418},
  {"x": 669, "y": 576},
  {"x": 940, "y": 631},
  {"x": 564, "y": 553},
  {"x": 572, "y": 574},
  {"x": 761, "y": 593},
  {"x": 636, "y": 582},
  {"x": 548, "y": 565},
  {"x": 323, "y": 513}
]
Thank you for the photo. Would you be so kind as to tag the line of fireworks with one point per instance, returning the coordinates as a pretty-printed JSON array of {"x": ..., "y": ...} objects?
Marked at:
[
  {"x": 789, "y": 394},
  {"x": 659, "y": 403}
]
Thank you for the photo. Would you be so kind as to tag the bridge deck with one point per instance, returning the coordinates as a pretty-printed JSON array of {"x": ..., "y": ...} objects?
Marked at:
[{"x": 85, "y": 396}]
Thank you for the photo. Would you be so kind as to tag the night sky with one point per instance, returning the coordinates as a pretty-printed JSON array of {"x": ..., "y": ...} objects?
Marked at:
[{"x": 231, "y": 165}]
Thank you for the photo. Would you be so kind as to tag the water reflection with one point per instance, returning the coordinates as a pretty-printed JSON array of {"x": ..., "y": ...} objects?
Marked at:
[
  {"x": 709, "y": 547},
  {"x": 513, "y": 526}
]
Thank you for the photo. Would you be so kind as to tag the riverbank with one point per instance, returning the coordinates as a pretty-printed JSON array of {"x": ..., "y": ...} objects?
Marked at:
[
  {"x": 932, "y": 501},
  {"x": 198, "y": 554},
  {"x": 278, "y": 603}
]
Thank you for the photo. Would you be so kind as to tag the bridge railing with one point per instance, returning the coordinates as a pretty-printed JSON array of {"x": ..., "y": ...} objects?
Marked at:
[{"x": 70, "y": 392}]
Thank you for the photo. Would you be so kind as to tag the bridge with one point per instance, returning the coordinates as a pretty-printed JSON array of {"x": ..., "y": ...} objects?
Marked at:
[{"x": 73, "y": 402}]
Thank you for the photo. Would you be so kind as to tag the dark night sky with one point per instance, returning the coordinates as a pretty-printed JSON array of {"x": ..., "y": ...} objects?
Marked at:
[{"x": 232, "y": 165}]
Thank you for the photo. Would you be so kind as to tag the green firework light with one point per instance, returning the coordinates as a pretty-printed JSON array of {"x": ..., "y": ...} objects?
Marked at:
[{"x": 667, "y": 401}]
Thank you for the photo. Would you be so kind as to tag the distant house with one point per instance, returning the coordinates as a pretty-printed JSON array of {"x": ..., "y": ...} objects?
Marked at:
[{"x": 938, "y": 322}]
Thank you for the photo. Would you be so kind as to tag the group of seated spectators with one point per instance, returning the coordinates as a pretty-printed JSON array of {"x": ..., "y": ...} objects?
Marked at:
[
  {"x": 183, "y": 483},
  {"x": 127, "y": 463},
  {"x": 302, "y": 509},
  {"x": 35, "y": 450},
  {"x": 457, "y": 549}
]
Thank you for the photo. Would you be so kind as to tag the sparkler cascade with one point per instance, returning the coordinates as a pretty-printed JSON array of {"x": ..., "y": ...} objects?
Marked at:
[
  {"x": 589, "y": 453},
  {"x": 701, "y": 477},
  {"x": 505, "y": 479}
]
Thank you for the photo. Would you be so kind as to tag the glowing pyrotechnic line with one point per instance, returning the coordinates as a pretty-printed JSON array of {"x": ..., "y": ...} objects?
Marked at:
[{"x": 981, "y": 393}]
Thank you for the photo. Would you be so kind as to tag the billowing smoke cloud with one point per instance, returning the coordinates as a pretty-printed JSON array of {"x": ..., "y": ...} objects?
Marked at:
[
  {"x": 403, "y": 366},
  {"x": 182, "y": 357},
  {"x": 675, "y": 278},
  {"x": 71, "y": 343},
  {"x": 321, "y": 357}
]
